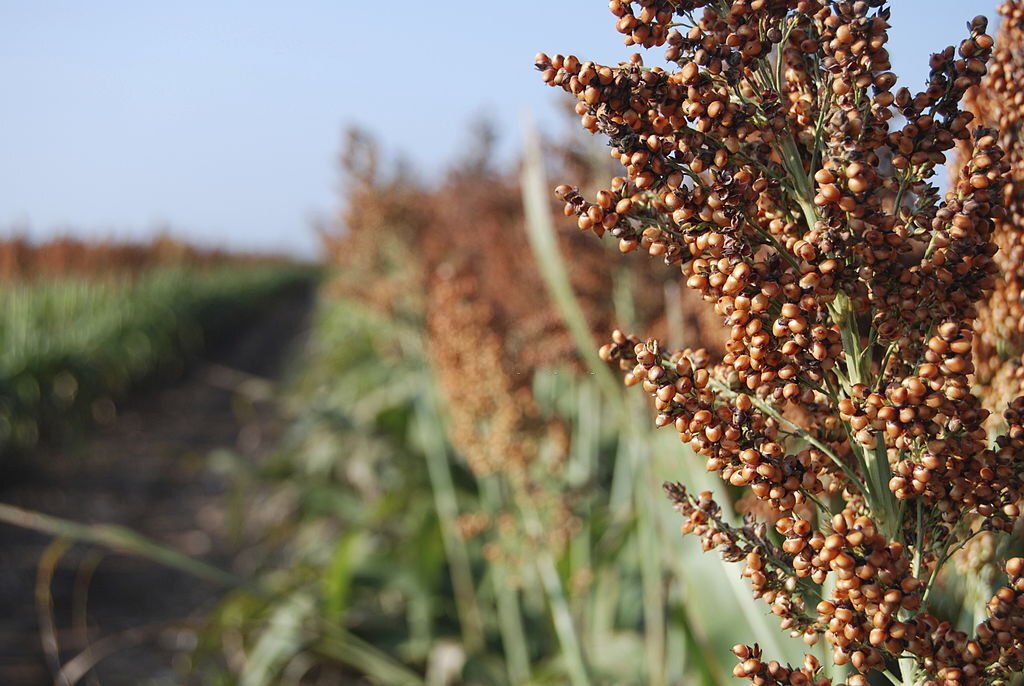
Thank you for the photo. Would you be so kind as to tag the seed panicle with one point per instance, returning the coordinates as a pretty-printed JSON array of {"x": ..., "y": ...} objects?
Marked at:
[{"x": 778, "y": 165}]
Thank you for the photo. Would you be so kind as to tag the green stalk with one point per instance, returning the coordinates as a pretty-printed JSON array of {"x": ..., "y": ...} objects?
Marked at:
[
  {"x": 587, "y": 449},
  {"x": 919, "y": 544},
  {"x": 605, "y": 596},
  {"x": 876, "y": 460},
  {"x": 886, "y": 506},
  {"x": 544, "y": 243},
  {"x": 510, "y": 620},
  {"x": 908, "y": 672},
  {"x": 858, "y": 360},
  {"x": 585, "y": 459},
  {"x": 565, "y": 627},
  {"x": 650, "y": 566},
  {"x": 885, "y": 363},
  {"x": 447, "y": 506},
  {"x": 116, "y": 538},
  {"x": 348, "y": 649},
  {"x": 510, "y": 623},
  {"x": 620, "y": 492},
  {"x": 843, "y": 314}
]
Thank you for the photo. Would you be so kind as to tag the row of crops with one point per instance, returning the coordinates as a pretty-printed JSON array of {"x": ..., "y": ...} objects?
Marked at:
[
  {"x": 69, "y": 346},
  {"x": 395, "y": 563},
  {"x": 464, "y": 496}
]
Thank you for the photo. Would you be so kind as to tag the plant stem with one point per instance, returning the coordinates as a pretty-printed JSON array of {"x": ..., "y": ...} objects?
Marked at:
[
  {"x": 543, "y": 241},
  {"x": 340, "y": 645},
  {"x": 846, "y": 319},
  {"x": 447, "y": 507},
  {"x": 885, "y": 506},
  {"x": 885, "y": 363},
  {"x": 919, "y": 545},
  {"x": 565, "y": 626},
  {"x": 908, "y": 672},
  {"x": 876, "y": 460},
  {"x": 797, "y": 430},
  {"x": 585, "y": 461},
  {"x": 510, "y": 621},
  {"x": 116, "y": 538},
  {"x": 650, "y": 563}
]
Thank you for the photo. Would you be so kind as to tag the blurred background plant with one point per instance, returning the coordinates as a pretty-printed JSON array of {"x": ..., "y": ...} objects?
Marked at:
[
  {"x": 470, "y": 494},
  {"x": 83, "y": 324}
]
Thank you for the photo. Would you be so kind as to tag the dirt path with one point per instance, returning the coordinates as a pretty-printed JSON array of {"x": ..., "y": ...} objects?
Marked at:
[{"x": 158, "y": 469}]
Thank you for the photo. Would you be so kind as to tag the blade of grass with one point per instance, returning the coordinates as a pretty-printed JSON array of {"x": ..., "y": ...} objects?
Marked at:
[
  {"x": 80, "y": 605},
  {"x": 337, "y": 643},
  {"x": 348, "y": 649},
  {"x": 586, "y": 457},
  {"x": 650, "y": 561},
  {"x": 82, "y": 664},
  {"x": 447, "y": 506},
  {"x": 699, "y": 645},
  {"x": 280, "y": 641},
  {"x": 510, "y": 620},
  {"x": 605, "y": 599},
  {"x": 565, "y": 626},
  {"x": 654, "y": 597},
  {"x": 116, "y": 538},
  {"x": 44, "y": 605}
]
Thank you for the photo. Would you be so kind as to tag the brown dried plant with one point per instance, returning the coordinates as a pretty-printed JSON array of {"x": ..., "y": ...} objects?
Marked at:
[
  {"x": 375, "y": 250},
  {"x": 21, "y": 259},
  {"x": 454, "y": 261},
  {"x": 998, "y": 102},
  {"x": 456, "y": 258},
  {"x": 775, "y": 162}
]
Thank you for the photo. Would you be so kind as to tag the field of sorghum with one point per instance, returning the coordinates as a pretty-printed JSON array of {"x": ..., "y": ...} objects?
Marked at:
[
  {"x": 84, "y": 324},
  {"x": 492, "y": 513},
  {"x": 848, "y": 449},
  {"x": 831, "y": 342}
]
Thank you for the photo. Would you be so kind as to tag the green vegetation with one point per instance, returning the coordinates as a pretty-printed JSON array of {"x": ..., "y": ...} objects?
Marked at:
[
  {"x": 579, "y": 576},
  {"x": 68, "y": 346}
]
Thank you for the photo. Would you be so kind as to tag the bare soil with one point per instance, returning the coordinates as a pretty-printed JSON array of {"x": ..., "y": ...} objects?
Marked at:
[{"x": 160, "y": 468}]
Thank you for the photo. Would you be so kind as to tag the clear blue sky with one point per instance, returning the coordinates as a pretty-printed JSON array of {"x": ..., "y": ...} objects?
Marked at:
[{"x": 222, "y": 118}]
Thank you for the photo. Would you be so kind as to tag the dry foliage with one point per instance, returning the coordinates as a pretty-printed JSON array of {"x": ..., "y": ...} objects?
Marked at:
[{"x": 21, "y": 259}]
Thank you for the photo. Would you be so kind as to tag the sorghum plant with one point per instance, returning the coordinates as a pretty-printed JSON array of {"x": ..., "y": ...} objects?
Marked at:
[
  {"x": 376, "y": 252},
  {"x": 998, "y": 102},
  {"x": 775, "y": 161}
]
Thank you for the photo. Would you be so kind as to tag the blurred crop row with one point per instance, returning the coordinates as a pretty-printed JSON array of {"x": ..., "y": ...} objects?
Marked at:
[
  {"x": 21, "y": 259},
  {"x": 82, "y": 325}
]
